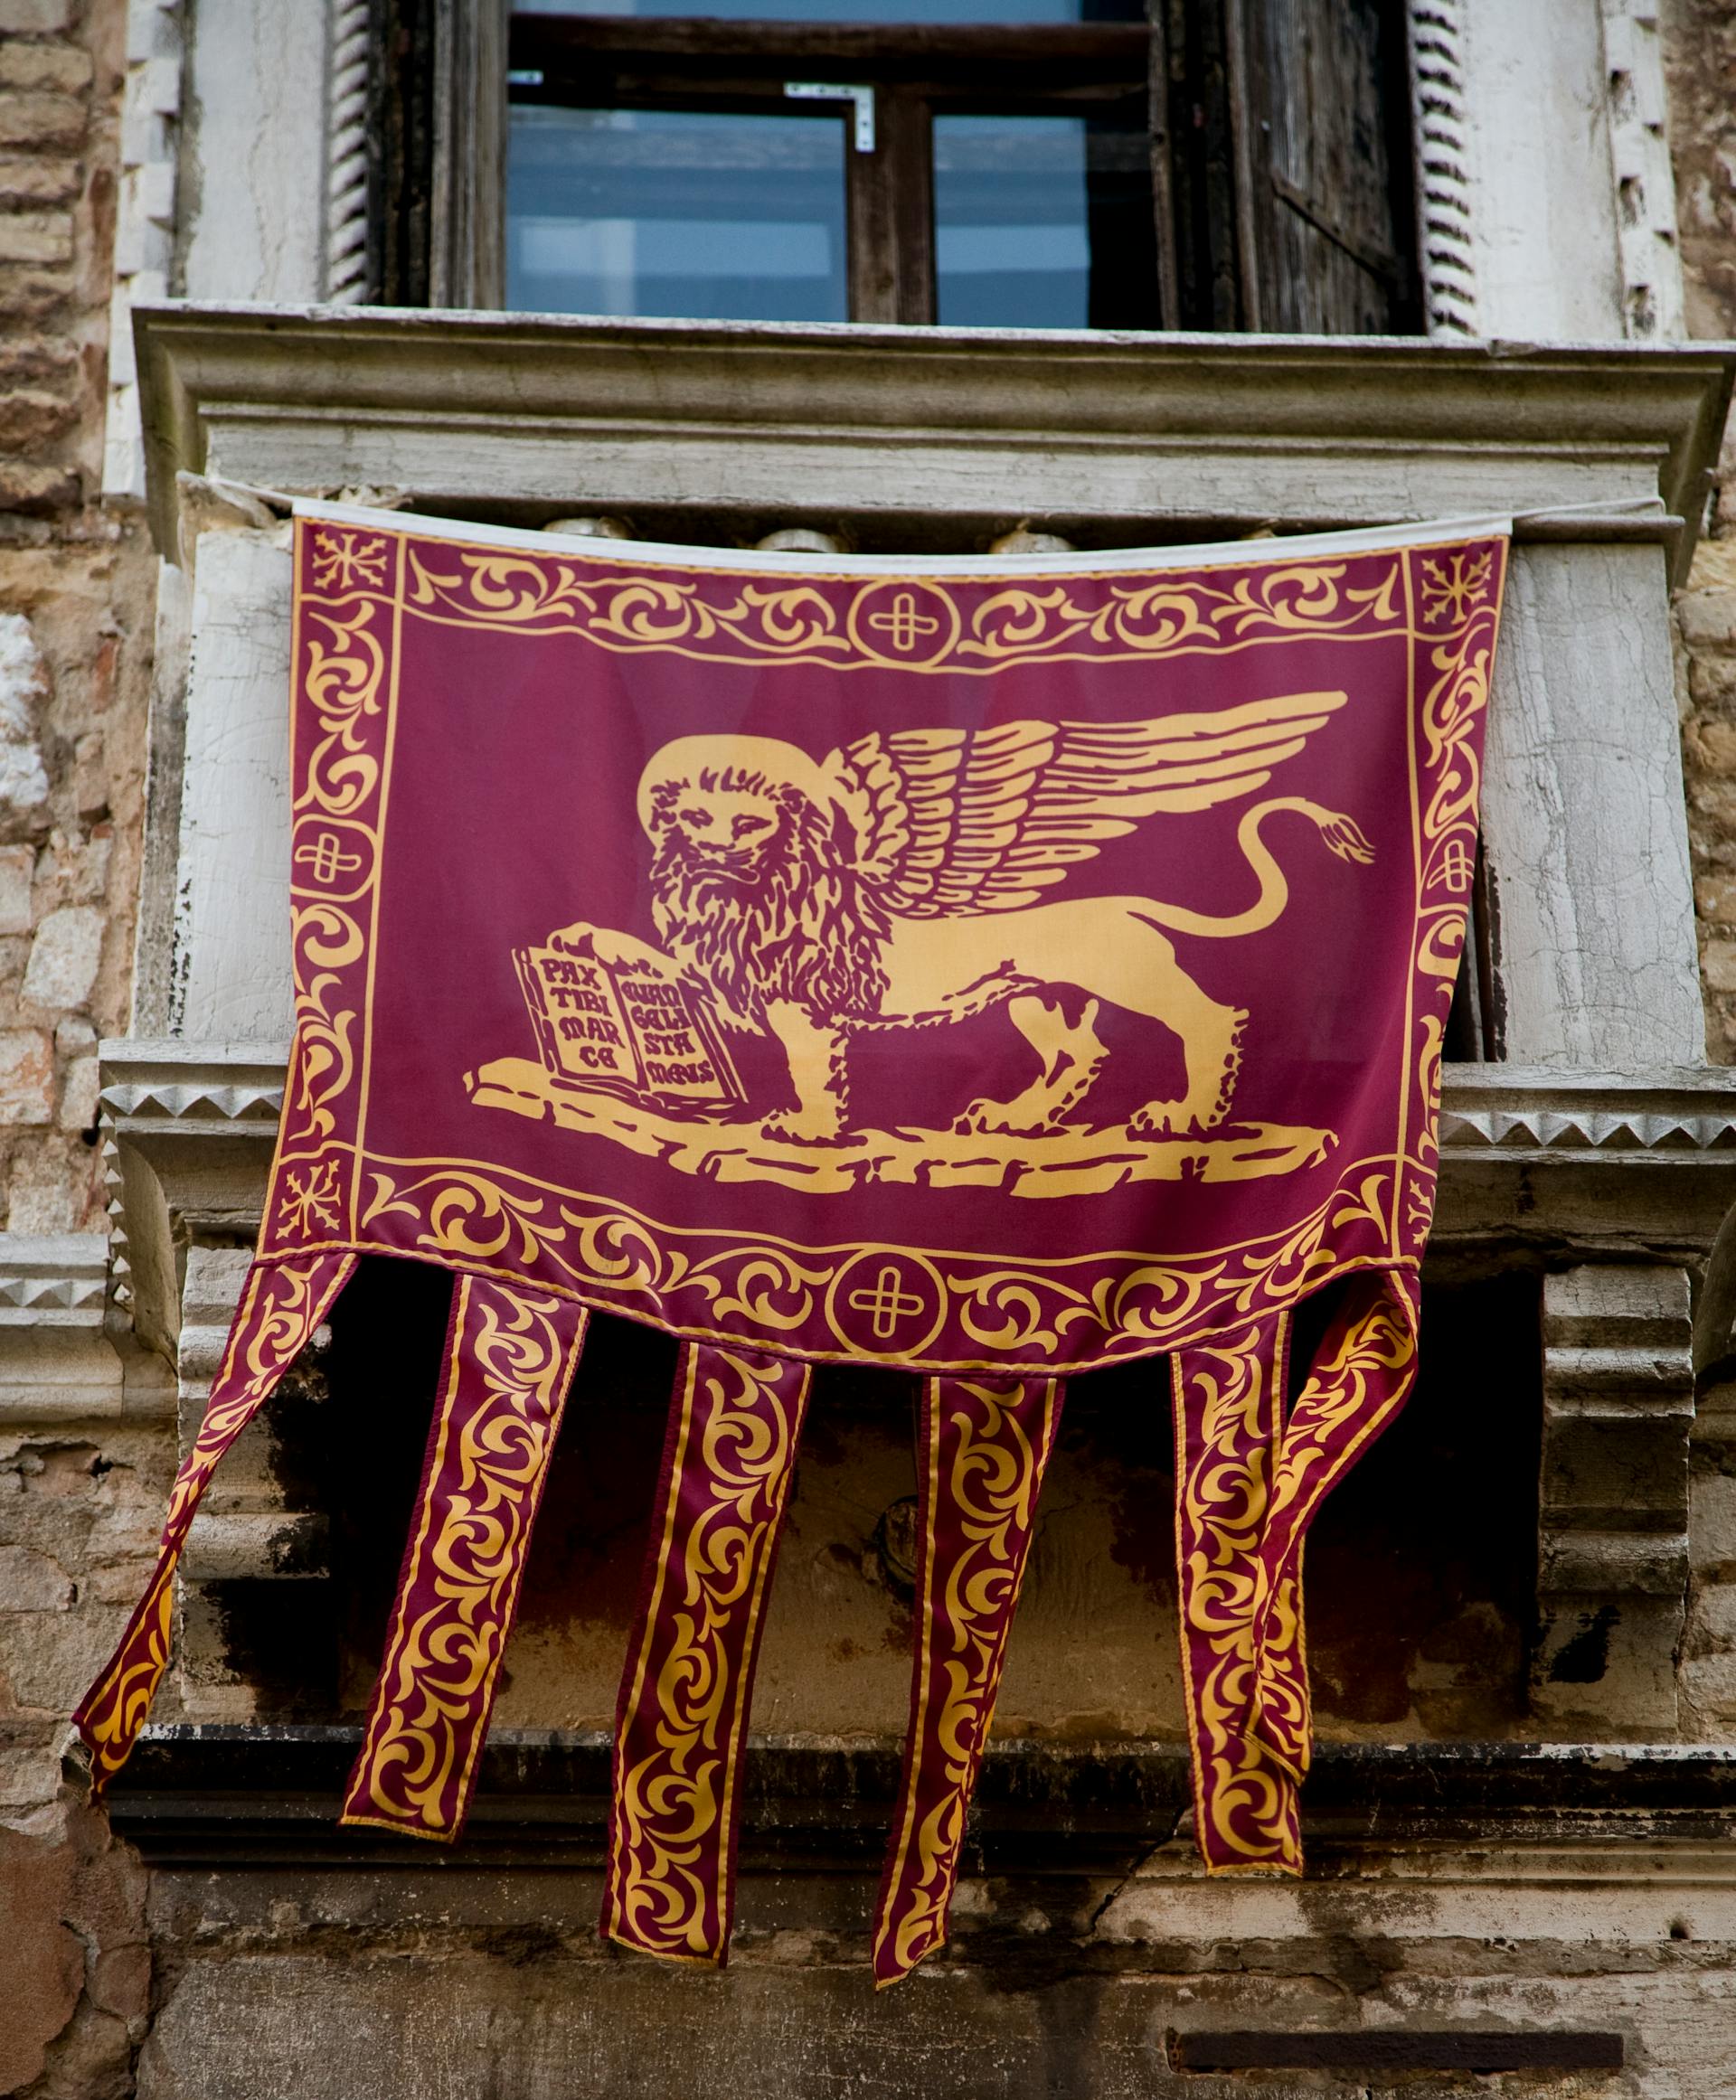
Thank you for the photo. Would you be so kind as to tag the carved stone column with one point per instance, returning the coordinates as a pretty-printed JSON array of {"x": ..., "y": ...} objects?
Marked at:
[{"x": 1613, "y": 1521}]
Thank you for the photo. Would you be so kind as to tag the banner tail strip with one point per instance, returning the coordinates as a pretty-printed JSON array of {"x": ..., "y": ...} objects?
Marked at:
[
  {"x": 1361, "y": 1376},
  {"x": 985, "y": 1450},
  {"x": 510, "y": 1357},
  {"x": 1228, "y": 1420},
  {"x": 682, "y": 1723},
  {"x": 282, "y": 1304}
]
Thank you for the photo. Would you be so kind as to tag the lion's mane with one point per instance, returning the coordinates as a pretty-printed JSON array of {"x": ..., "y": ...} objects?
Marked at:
[{"x": 796, "y": 925}]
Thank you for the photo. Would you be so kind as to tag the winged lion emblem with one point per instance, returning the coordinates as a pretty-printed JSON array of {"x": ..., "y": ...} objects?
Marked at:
[{"x": 903, "y": 882}]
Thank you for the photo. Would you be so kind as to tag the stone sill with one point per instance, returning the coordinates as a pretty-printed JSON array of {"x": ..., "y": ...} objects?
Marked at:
[{"x": 228, "y": 1796}]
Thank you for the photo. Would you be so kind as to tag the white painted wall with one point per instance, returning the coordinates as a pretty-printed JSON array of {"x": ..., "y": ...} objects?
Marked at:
[
  {"x": 231, "y": 978},
  {"x": 1546, "y": 241},
  {"x": 1584, "y": 826},
  {"x": 252, "y": 192}
]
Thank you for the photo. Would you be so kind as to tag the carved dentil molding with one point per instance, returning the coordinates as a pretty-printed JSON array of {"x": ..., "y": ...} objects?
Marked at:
[{"x": 1446, "y": 246}]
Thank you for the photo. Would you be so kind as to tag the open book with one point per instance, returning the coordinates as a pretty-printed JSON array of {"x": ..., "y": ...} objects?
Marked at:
[{"x": 627, "y": 1029}]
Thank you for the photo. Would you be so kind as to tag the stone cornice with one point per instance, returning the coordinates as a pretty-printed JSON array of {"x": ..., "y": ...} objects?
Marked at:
[
  {"x": 1506, "y": 1112},
  {"x": 60, "y": 1280},
  {"x": 1542, "y": 1164},
  {"x": 1113, "y": 433}
]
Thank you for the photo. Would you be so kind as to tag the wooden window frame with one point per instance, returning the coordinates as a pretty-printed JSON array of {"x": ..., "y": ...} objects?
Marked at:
[{"x": 916, "y": 70}]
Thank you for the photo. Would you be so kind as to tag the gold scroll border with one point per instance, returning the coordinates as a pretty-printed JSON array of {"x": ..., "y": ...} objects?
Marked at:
[
  {"x": 466, "y": 1214},
  {"x": 343, "y": 675},
  {"x": 658, "y": 608},
  {"x": 1455, "y": 661}
]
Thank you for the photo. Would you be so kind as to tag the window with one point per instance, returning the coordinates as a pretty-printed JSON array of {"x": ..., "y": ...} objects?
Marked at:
[
  {"x": 942, "y": 167},
  {"x": 1050, "y": 163}
]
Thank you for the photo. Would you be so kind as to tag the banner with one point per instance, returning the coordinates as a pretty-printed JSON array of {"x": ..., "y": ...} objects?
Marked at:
[{"x": 984, "y": 967}]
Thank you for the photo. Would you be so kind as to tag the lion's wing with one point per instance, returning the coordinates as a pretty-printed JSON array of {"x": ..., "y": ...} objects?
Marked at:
[{"x": 985, "y": 820}]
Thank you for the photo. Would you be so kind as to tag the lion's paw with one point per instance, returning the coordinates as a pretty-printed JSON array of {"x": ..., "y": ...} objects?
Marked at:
[
  {"x": 998, "y": 1120},
  {"x": 790, "y": 1126},
  {"x": 1165, "y": 1120}
]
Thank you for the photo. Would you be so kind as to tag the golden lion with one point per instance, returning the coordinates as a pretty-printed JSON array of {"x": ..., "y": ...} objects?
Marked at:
[{"x": 896, "y": 884}]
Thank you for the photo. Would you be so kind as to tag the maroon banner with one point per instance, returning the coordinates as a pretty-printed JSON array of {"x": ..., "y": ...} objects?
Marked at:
[
  {"x": 985, "y": 1448},
  {"x": 282, "y": 1304},
  {"x": 989, "y": 968},
  {"x": 683, "y": 1717},
  {"x": 939, "y": 965},
  {"x": 510, "y": 1356}
]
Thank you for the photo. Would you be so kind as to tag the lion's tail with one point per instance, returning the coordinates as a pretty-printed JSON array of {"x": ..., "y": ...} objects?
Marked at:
[{"x": 1342, "y": 836}]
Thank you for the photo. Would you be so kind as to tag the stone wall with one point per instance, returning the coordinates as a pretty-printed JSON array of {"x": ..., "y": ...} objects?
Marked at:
[
  {"x": 76, "y": 579},
  {"x": 1700, "y": 57},
  {"x": 76, "y": 607}
]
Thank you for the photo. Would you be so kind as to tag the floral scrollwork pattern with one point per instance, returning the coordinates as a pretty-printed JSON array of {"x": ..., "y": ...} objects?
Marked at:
[
  {"x": 733, "y": 1429},
  {"x": 509, "y": 1363},
  {"x": 986, "y": 1447},
  {"x": 1228, "y": 1397}
]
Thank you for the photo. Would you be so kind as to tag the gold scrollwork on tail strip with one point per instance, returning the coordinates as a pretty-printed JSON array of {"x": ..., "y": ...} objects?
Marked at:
[
  {"x": 684, "y": 1712},
  {"x": 282, "y": 1304},
  {"x": 989, "y": 1446},
  {"x": 511, "y": 1361},
  {"x": 1226, "y": 1430},
  {"x": 1358, "y": 1381}
]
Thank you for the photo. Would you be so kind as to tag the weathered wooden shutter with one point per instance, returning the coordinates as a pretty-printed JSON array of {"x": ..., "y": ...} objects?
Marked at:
[{"x": 1324, "y": 207}]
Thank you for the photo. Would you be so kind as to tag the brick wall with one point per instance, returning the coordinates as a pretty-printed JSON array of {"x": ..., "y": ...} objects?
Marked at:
[
  {"x": 75, "y": 590},
  {"x": 75, "y": 614},
  {"x": 1699, "y": 56}
]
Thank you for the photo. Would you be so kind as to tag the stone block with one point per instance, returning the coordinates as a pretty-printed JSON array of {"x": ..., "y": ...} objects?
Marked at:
[
  {"x": 1709, "y": 1684},
  {"x": 52, "y": 1656},
  {"x": 37, "y": 117},
  {"x": 36, "y": 237},
  {"x": 1714, "y": 1615},
  {"x": 30, "y": 419},
  {"x": 1707, "y": 618},
  {"x": 31, "y": 1582},
  {"x": 17, "y": 865},
  {"x": 34, "y": 17},
  {"x": 1714, "y": 565},
  {"x": 1714, "y": 898},
  {"x": 1712, "y": 681},
  {"x": 1711, "y": 1521},
  {"x": 1718, "y": 964},
  {"x": 26, "y": 1075},
  {"x": 79, "y": 1092},
  {"x": 42, "y": 1961},
  {"x": 37, "y": 182},
  {"x": 51, "y": 1189},
  {"x": 23, "y": 487},
  {"x": 64, "y": 957},
  {"x": 1713, "y": 744},
  {"x": 60, "y": 66}
]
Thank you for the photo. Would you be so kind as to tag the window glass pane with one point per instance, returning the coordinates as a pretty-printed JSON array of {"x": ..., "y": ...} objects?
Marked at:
[
  {"x": 1020, "y": 12},
  {"x": 1044, "y": 222},
  {"x": 715, "y": 218}
]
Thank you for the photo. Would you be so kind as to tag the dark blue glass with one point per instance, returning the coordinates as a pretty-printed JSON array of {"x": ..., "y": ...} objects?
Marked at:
[
  {"x": 1019, "y": 13},
  {"x": 655, "y": 212}
]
